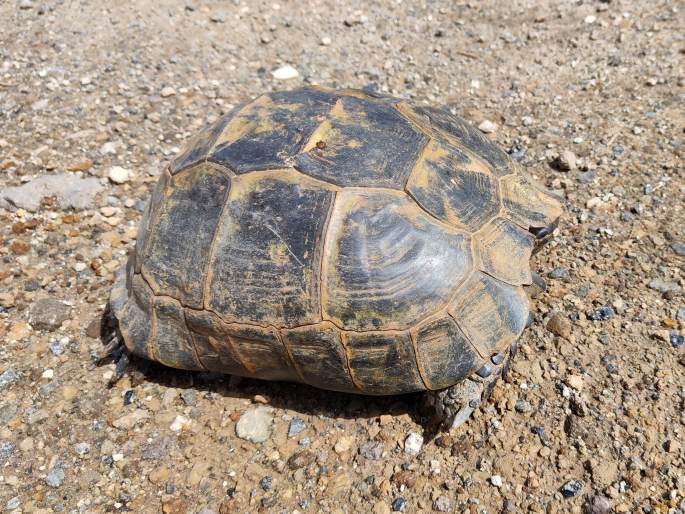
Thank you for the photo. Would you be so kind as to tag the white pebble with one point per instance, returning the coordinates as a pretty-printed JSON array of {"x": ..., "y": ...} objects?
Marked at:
[
  {"x": 413, "y": 443},
  {"x": 487, "y": 127},
  {"x": 496, "y": 480},
  {"x": 48, "y": 373},
  {"x": 178, "y": 423},
  {"x": 325, "y": 41},
  {"x": 285, "y": 73},
  {"x": 118, "y": 175}
]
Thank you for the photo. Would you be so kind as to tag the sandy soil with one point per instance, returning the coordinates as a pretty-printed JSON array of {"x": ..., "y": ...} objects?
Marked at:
[{"x": 591, "y": 417}]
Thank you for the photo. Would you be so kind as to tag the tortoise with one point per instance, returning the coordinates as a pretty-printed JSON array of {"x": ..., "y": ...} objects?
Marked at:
[{"x": 345, "y": 239}]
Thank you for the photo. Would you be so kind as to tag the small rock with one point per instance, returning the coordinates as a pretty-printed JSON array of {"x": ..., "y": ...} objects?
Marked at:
[
  {"x": 48, "y": 314},
  {"x": 7, "y": 448},
  {"x": 575, "y": 381},
  {"x": 602, "y": 314},
  {"x": 680, "y": 315},
  {"x": 487, "y": 127},
  {"x": 413, "y": 443},
  {"x": 13, "y": 503},
  {"x": 559, "y": 325},
  {"x": 255, "y": 425},
  {"x": 179, "y": 423},
  {"x": 571, "y": 488},
  {"x": 285, "y": 73},
  {"x": 167, "y": 91},
  {"x": 442, "y": 504},
  {"x": 296, "y": 426},
  {"x": 159, "y": 475},
  {"x": 343, "y": 444},
  {"x": 301, "y": 459},
  {"x": 7, "y": 412},
  {"x": 82, "y": 448},
  {"x": 189, "y": 397},
  {"x": 598, "y": 505},
  {"x": 7, "y": 300},
  {"x": 118, "y": 175},
  {"x": 496, "y": 480},
  {"x": 83, "y": 165},
  {"x": 679, "y": 249},
  {"x": 663, "y": 286},
  {"x": 559, "y": 273},
  {"x": 565, "y": 161},
  {"x": 676, "y": 339},
  {"x": 70, "y": 192},
  {"x": 128, "y": 421},
  {"x": 404, "y": 478},
  {"x": 8, "y": 377},
  {"x": 325, "y": 41},
  {"x": 521, "y": 406},
  {"x": 399, "y": 505},
  {"x": 372, "y": 450},
  {"x": 218, "y": 17},
  {"x": 55, "y": 477}
]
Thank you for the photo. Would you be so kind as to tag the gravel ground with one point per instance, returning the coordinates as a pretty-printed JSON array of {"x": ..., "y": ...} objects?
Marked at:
[{"x": 95, "y": 98}]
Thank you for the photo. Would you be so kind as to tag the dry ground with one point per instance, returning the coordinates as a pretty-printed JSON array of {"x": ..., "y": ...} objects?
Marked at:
[{"x": 597, "y": 398}]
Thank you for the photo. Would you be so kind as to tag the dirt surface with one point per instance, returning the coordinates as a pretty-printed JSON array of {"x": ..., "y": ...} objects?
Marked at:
[{"x": 587, "y": 95}]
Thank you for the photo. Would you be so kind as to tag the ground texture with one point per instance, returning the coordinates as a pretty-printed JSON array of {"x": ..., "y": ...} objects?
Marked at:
[{"x": 95, "y": 99}]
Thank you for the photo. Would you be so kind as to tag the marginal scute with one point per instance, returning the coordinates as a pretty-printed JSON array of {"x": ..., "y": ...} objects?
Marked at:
[
  {"x": 362, "y": 143},
  {"x": 266, "y": 261},
  {"x": 490, "y": 313},
  {"x": 527, "y": 203},
  {"x": 443, "y": 352},
  {"x": 387, "y": 264},
  {"x": 268, "y": 132},
  {"x": 180, "y": 239},
  {"x": 136, "y": 319},
  {"x": 172, "y": 341},
  {"x": 383, "y": 362},
  {"x": 453, "y": 188},
  {"x": 214, "y": 348},
  {"x": 319, "y": 356},
  {"x": 504, "y": 250}
]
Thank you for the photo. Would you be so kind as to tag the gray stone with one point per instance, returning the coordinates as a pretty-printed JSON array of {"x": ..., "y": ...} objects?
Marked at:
[
  {"x": 7, "y": 448},
  {"x": 296, "y": 426},
  {"x": 255, "y": 425},
  {"x": 680, "y": 315},
  {"x": 679, "y": 249},
  {"x": 8, "y": 377},
  {"x": 442, "y": 504},
  {"x": 189, "y": 397},
  {"x": 372, "y": 450},
  {"x": 559, "y": 273},
  {"x": 48, "y": 314},
  {"x": 7, "y": 412},
  {"x": 55, "y": 477},
  {"x": 571, "y": 488},
  {"x": 663, "y": 286},
  {"x": 70, "y": 191},
  {"x": 12, "y": 503},
  {"x": 565, "y": 161},
  {"x": 598, "y": 505},
  {"x": 82, "y": 448}
]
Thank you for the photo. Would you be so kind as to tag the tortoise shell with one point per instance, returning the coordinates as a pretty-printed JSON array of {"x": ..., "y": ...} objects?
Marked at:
[{"x": 351, "y": 241}]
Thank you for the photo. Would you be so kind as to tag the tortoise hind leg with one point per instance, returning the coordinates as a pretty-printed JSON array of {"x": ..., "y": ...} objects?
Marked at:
[{"x": 455, "y": 404}]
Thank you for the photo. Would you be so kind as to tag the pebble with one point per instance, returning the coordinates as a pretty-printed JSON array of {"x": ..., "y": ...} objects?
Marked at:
[
  {"x": 496, "y": 480},
  {"x": 559, "y": 273},
  {"x": 179, "y": 423},
  {"x": 413, "y": 443},
  {"x": 130, "y": 420},
  {"x": 565, "y": 161},
  {"x": 575, "y": 382},
  {"x": 571, "y": 488},
  {"x": 399, "y": 505},
  {"x": 372, "y": 450},
  {"x": 678, "y": 248},
  {"x": 301, "y": 459},
  {"x": 559, "y": 325},
  {"x": 487, "y": 127},
  {"x": 7, "y": 448},
  {"x": 680, "y": 315},
  {"x": 325, "y": 41},
  {"x": 602, "y": 314},
  {"x": 598, "y": 505},
  {"x": 255, "y": 425},
  {"x": 167, "y": 92},
  {"x": 48, "y": 314},
  {"x": 8, "y": 377},
  {"x": 296, "y": 426},
  {"x": 55, "y": 477},
  {"x": 70, "y": 192},
  {"x": 118, "y": 175},
  {"x": 442, "y": 504},
  {"x": 82, "y": 448},
  {"x": 676, "y": 340},
  {"x": 13, "y": 503},
  {"x": 343, "y": 444},
  {"x": 285, "y": 73},
  {"x": 663, "y": 286},
  {"x": 189, "y": 397},
  {"x": 521, "y": 406}
]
